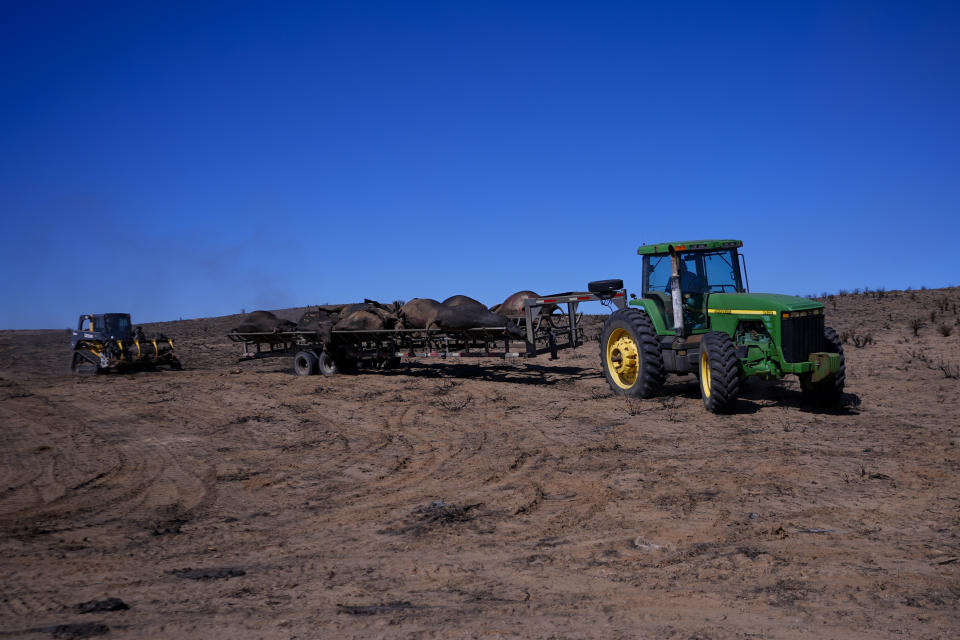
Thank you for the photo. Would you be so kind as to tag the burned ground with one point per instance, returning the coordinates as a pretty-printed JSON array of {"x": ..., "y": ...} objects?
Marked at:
[{"x": 496, "y": 499}]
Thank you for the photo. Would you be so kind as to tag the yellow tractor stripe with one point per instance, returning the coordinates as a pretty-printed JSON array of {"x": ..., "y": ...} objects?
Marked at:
[{"x": 745, "y": 312}]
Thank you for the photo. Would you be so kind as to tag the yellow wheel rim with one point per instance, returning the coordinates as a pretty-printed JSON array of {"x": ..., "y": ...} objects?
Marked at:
[
  {"x": 705, "y": 374},
  {"x": 623, "y": 358}
]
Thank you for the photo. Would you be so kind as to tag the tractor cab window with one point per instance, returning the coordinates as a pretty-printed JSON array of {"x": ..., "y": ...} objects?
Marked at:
[
  {"x": 118, "y": 325},
  {"x": 720, "y": 271},
  {"x": 86, "y": 324},
  {"x": 98, "y": 323},
  {"x": 658, "y": 274}
]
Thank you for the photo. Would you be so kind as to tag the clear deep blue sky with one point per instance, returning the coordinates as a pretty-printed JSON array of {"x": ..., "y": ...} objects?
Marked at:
[{"x": 198, "y": 159}]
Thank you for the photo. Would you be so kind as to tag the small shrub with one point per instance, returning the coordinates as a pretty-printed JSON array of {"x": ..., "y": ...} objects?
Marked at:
[
  {"x": 451, "y": 403},
  {"x": 881, "y": 292},
  {"x": 634, "y": 407},
  {"x": 445, "y": 387},
  {"x": 950, "y": 371},
  {"x": 845, "y": 337},
  {"x": 843, "y": 292},
  {"x": 860, "y": 341},
  {"x": 933, "y": 315},
  {"x": 915, "y": 325},
  {"x": 945, "y": 330}
]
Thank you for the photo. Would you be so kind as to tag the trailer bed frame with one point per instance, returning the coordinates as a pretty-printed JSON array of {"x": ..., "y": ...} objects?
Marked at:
[{"x": 544, "y": 331}]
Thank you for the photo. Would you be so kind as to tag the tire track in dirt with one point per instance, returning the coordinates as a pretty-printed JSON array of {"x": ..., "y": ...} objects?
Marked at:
[{"x": 97, "y": 475}]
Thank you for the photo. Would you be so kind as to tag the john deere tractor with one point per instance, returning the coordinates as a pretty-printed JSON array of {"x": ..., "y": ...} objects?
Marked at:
[
  {"x": 696, "y": 316},
  {"x": 107, "y": 341}
]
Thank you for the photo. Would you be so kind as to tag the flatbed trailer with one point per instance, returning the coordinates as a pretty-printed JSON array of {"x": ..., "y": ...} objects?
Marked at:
[{"x": 343, "y": 351}]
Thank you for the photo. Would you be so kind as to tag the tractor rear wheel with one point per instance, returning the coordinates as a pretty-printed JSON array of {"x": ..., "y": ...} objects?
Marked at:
[
  {"x": 630, "y": 354},
  {"x": 719, "y": 372},
  {"x": 305, "y": 363},
  {"x": 826, "y": 392}
]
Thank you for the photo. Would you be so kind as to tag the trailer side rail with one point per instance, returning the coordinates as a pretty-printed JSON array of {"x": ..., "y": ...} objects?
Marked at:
[{"x": 545, "y": 332}]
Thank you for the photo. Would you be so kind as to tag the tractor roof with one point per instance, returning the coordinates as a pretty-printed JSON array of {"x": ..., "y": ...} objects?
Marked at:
[{"x": 688, "y": 245}]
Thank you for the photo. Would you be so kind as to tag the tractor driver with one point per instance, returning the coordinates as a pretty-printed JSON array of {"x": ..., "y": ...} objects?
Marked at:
[{"x": 690, "y": 282}]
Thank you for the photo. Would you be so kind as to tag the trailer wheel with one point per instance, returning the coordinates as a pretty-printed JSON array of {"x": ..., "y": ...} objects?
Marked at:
[
  {"x": 630, "y": 354},
  {"x": 327, "y": 364},
  {"x": 305, "y": 363},
  {"x": 719, "y": 372},
  {"x": 826, "y": 392}
]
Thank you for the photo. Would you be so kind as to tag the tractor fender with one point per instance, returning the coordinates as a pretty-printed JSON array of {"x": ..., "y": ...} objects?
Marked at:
[{"x": 650, "y": 308}]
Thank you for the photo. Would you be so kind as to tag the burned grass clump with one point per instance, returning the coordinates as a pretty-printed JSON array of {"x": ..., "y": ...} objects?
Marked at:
[
  {"x": 786, "y": 592},
  {"x": 375, "y": 609},
  {"x": 436, "y": 515},
  {"x": 215, "y": 573},
  {"x": 856, "y": 339},
  {"x": 454, "y": 403},
  {"x": 860, "y": 341}
]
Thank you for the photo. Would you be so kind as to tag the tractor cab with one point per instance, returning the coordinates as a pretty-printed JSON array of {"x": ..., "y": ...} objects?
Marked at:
[
  {"x": 678, "y": 278},
  {"x": 108, "y": 341},
  {"x": 113, "y": 326}
]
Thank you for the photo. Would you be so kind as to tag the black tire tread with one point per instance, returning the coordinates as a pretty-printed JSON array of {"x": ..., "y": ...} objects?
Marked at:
[
  {"x": 326, "y": 364},
  {"x": 305, "y": 363},
  {"x": 650, "y": 380},
  {"x": 603, "y": 286},
  {"x": 724, "y": 372}
]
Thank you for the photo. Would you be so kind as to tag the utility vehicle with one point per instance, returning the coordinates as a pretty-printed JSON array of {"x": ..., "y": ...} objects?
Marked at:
[
  {"x": 695, "y": 315},
  {"x": 108, "y": 341}
]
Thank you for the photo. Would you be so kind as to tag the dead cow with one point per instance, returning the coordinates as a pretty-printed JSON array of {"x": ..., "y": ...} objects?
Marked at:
[
  {"x": 464, "y": 302},
  {"x": 367, "y": 320},
  {"x": 426, "y": 313},
  {"x": 513, "y": 305},
  {"x": 263, "y": 322}
]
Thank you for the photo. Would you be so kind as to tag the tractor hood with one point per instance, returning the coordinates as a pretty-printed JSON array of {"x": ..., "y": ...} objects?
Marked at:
[{"x": 760, "y": 302}]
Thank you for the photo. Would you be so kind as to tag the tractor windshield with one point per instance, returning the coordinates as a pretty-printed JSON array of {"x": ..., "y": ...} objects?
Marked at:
[
  {"x": 716, "y": 271},
  {"x": 117, "y": 325},
  {"x": 700, "y": 272}
]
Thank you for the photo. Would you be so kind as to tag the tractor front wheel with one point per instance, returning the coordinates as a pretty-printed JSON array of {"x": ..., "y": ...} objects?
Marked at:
[
  {"x": 630, "y": 354},
  {"x": 719, "y": 372}
]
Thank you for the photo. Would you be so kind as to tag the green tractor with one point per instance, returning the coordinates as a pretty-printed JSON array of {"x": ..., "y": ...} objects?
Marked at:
[{"x": 696, "y": 316}]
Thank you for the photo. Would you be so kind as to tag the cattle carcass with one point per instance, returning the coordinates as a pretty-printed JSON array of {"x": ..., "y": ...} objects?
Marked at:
[
  {"x": 425, "y": 313},
  {"x": 360, "y": 320},
  {"x": 513, "y": 305},
  {"x": 263, "y": 322},
  {"x": 464, "y": 302}
]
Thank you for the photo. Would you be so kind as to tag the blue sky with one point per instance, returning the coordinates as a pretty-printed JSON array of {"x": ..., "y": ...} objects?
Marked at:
[{"x": 198, "y": 159}]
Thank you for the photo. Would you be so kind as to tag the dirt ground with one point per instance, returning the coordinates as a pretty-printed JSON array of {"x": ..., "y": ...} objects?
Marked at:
[{"x": 489, "y": 500}]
